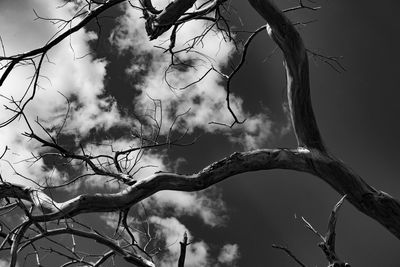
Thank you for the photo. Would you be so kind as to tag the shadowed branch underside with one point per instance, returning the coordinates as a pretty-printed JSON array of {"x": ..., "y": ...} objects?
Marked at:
[{"x": 310, "y": 156}]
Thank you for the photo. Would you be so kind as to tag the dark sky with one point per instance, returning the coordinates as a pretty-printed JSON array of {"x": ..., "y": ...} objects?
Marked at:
[{"x": 357, "y": 113}]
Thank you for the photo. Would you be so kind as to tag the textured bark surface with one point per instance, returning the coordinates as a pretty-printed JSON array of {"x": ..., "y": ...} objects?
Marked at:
[
  {"x": 368, "y": 200},
  {"x": 281, "y": 30},
  {"x": 311, "y": 156},
  {"x": 376, "y": 204},
  {"x": 158, "y": 24},
  {"x": 313, "y": 159}
]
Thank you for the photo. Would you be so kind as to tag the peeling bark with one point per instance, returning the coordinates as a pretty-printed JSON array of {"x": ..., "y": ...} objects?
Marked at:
[
  {"x": 311, "y": 156},
  {"x": 376, "y": 204}
]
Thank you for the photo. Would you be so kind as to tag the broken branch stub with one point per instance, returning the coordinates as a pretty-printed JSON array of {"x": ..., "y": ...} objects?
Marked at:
[{"x": 158, "y": 24}]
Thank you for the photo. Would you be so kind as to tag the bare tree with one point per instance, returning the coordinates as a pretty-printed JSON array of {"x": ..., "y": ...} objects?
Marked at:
[{"x": 44, "y": 216}]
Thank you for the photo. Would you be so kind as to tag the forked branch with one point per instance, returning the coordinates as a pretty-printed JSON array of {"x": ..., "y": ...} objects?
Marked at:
[
  {"x": 311, "y": 155},
  {"x": 374, "y": 203}
]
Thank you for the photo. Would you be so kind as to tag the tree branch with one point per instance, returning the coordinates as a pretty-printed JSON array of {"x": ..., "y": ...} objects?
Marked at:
[
  {"x": 281, "y": 30},
  {"x": 184, "y": 244},
  {"x": 129, "y": 257},
  {"x": 376, "y": 204},
  {"x": 174, "y": 13},
  {"x": 158, "y": 24},
  {"x": 310, "y": 157},
  {"x": 290, "y": 254}
]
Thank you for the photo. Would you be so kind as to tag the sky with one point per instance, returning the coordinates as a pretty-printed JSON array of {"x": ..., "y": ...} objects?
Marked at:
[{"x": 235, "y": 222}]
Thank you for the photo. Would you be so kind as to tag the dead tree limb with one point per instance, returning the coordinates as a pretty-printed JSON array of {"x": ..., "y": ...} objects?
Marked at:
[
  {"x": 182, "y": 256},
  {"x": 376, "y": 204},
  {"x": 311, "y": 156}
]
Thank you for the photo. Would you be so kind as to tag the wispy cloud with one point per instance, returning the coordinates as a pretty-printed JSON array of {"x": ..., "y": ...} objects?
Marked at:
[
  {"x": 81, "y": 79},
  {"x": 209, "y": 205},
  {"x": 205, "y": 99},
  {"x": 67, "y": 71},
  {"x": 5, "y": 263},
  {"x": 171, "y": 231},
  {"x": 229, "y": 254}
]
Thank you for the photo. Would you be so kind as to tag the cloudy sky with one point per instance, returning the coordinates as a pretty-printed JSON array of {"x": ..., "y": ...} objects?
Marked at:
[{"x": 111, "y": 75}]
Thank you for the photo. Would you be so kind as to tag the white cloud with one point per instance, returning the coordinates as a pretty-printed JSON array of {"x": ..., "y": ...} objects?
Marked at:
[
  {"x": 171, "y": 231},
  {"x": 206, "y": 99},
  {"x": 79, "y": 78},
  {"x": 210, "y": 208},
  {"x": 83, "y": 79},
  {"x": 112, "y": 220},
  {"x": 229, "y": 254},
  {"x": 143, "y": 163},
  {"x": 4, "y": 263}
]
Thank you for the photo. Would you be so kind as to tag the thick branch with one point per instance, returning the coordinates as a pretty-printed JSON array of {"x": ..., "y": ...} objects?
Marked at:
[
  {"x": 288, "y": 39},
  {"x": 225, "y": 168},
  {"x": 314, "y": 160},
  {"x": 175, "y": 13},
  {"x": 376, "y": 204},
  {"x": 368, "y": 200},
  {"x": 158, "y": 24}
]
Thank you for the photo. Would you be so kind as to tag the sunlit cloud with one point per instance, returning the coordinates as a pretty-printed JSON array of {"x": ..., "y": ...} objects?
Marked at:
[
  {"x": 6, "y": 263},
  {"x": 229, "y": 254},
  {"x": 69, "y": 71},
  {"x": 171, "y": 231},
  {"x": 202, "y": 102},
  {"x": 208, "y": 207},
  {"x": 72, "y": 73},
  {"x": 140, "y": 163}
]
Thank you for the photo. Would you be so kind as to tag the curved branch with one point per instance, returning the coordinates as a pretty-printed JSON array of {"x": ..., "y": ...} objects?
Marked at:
[
  {"x": 16, "y": 239},
  {"x": 376, "y": 204},
  {"x": 281, "y": 30},
  {"x": 42, "y": 50},
  {"x": 104, "y": 258},
  {"x": 129, "y": 257},
  {"x": 314, "y": 160},
  {"x": 214, "y": 173}
]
